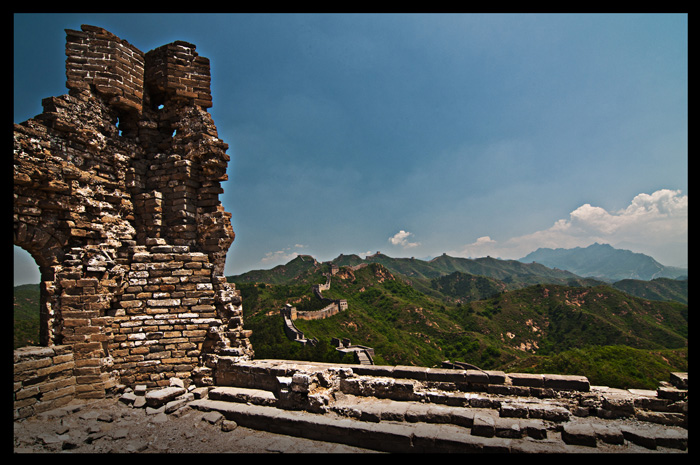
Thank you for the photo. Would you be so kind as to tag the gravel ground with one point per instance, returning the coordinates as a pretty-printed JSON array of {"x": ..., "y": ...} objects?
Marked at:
[{"x": 109, "y": 426}]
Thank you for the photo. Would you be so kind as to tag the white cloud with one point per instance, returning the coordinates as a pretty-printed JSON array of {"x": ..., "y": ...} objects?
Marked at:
[
  {"x": 654, "y": 223},
  {"x": 280, "y": 256},
  {"x": 650, "y": 218},
  {"x": 482, "y": 247},
  {"x": 401, "y": 239}
]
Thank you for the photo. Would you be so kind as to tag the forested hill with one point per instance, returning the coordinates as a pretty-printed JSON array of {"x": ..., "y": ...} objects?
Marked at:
[
  {"x": 494, "y": 275},
  {"x": 512, "y": 273},
  {"x": 474, "y": 319}
]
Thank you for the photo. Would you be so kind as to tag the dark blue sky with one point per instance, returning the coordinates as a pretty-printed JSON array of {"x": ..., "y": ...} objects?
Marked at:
[{"x": 419, "y": 134}]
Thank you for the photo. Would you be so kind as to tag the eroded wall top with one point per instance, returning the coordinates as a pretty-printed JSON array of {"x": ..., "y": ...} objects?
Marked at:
[{"x": 116, "y": 196}]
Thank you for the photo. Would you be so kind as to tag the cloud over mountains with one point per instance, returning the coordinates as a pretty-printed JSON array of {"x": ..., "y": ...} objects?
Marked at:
[
  {"x": 649, "y": 220},
  {"x": 401, "y": 239}
]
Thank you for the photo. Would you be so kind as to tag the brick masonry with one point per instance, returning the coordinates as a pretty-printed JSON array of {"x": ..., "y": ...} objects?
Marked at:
[
  {"x": 44, "y": 379},
  {"x": 116, "y": 196}
]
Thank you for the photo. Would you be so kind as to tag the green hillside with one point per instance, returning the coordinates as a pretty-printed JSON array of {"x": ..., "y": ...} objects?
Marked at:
[
  {"x": 299, "y": 266},
  {"x": 512, "y": 273},
  {"x": 549, "y": 319},
  {"x": 615, "y": 366},
  {"x": 464, "y": 287},
  {"x": 656, "y": 289},
  {"x": 26, "y": 315}
]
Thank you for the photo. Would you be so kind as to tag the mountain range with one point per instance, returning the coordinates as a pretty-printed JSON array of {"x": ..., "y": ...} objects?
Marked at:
[
  {"x": 604, "y": 262},
  {"x": 514, "y": 274},
  {"x": 634, "y": 273},
  {"x": 495, "y": 314}
]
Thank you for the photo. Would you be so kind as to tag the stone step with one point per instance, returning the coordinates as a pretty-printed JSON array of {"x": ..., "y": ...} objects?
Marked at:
[
  {"x": 384, "y": 436},
  {"x": 537, "y": 412},
  {"x": 242, "y": 395},
  {"x": 362, "y": 357},
  {"x": 434, "y": 430},
  {"x": 386, "y": 409},
  {"x": 483, "y": 422}
]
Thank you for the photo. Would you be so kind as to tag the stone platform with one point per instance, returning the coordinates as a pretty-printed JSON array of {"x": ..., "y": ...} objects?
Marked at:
[{"x": 412, "y": 409}]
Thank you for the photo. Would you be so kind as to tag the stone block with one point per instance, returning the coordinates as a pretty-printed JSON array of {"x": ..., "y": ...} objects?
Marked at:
[
  {"x": 679, "y": 380},
  {"x": 507, "y": 428},
  {"x": 483, "y": 425},
  {"x": 673, "y": 438},
  {"x": 619, "y": 406},
  {"x": 507, "y": 390},
  {"x": 31, "y": 365},
  {"x": 445, "y": 375},
  {"x": 640, "y": 435},
  {"x": 549, "y": 412},
  {"x": 535, "y": 429},
  {"x": 672, "y": 393},
  {"x": 514, "y": 410},
  {"x": 662, "y": 418},
  {"x": 160, "y": 397},
  {"x": 477, "y": 377},
  {"x": 496, "y": 377},
  {"x": 526, "y": 379},
  {"x": 608, "y": 434},
  {"x": 581, "y": 434},
  {"x": 418, "y": 373},
  {"x": 178, "y": 403},
  {"x": 567, "y": 383}
]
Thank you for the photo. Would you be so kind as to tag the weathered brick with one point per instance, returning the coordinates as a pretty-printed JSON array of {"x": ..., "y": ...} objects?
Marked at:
[
  {"x": 566, "y": 383},
  {"x": 139, "y": 214},
  {"x": 526, "y": 379}
]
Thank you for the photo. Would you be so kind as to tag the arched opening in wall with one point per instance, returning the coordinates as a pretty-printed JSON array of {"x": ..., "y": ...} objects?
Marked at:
[
  {"x": 42, "y": 247},
  {"x": 27, "y": 299}
]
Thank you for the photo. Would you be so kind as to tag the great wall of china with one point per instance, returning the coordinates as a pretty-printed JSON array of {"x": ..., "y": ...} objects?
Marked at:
[
  {"x": 116, "y": 196},
  {"x": 363, "y": 355}
]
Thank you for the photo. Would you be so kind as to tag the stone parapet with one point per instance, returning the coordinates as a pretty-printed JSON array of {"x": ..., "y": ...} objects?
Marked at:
[
  {"x": 44, "y": 379},
  {"x": 99, "y": 59},
  {"x": 553, "y": 397},
  {"x": 176, "y": 71}
]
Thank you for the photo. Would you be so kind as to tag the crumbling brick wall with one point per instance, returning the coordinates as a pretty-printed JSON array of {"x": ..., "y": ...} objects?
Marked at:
[
  {"x": 116, "y": 196},
  {"x": 44, "y": 379}
]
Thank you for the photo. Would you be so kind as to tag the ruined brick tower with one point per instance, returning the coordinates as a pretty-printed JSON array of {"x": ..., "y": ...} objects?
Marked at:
[{"x": 116, "y": 196}]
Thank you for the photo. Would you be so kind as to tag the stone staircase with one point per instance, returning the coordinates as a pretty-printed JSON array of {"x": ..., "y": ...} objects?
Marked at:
[
  {"x": 411, "y": 409},
  {"x": 363, "y": 358}
]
